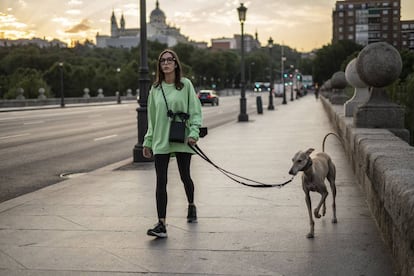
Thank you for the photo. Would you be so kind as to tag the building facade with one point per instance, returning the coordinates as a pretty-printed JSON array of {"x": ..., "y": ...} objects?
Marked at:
[
  {"x": 157, "y": 30},
  {"x": 367, "y": 21},
  {"x": 407, "y": 35}
]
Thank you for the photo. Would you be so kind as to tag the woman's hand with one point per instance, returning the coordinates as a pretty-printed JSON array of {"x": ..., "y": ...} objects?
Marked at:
[
  {"x": 147, "y": 152},
  {"x": 192, "y": 141}
]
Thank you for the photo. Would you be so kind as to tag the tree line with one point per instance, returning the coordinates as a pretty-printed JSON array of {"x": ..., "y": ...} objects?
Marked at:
[{"x": 112, "y": 69}]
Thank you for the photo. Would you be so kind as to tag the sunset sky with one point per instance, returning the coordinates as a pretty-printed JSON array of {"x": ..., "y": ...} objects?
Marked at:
[{"x": 300, "y": 24}]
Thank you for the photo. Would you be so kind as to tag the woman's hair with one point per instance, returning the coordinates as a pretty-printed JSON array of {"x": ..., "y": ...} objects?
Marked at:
[{"x": 178, "y": 70}]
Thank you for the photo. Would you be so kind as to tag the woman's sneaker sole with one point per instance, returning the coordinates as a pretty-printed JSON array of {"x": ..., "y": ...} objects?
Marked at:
[{"x": 155, "y": 234}]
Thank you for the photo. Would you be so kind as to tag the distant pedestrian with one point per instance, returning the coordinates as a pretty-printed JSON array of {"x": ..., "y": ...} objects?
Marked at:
[{"x": 172, "y": 89}]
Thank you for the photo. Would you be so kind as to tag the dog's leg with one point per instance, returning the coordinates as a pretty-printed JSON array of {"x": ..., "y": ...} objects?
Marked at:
[
  {"x": 324, "y": 208},
  {"x": 331, "y": 179},
  {"x": 311, "y": 222},
  {"x": 324, "y": 194}
]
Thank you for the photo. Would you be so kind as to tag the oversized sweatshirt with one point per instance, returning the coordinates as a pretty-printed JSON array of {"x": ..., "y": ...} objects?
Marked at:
[{"x": 184, "y": 100}]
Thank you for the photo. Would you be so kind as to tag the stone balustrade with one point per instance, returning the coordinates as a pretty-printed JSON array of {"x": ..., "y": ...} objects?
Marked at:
[
  {"x": 41, "y": 100},
  {"x": 375, "y": 141}
]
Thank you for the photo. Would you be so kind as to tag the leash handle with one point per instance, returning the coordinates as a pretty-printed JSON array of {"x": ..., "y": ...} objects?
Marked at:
[{"x": 234, "y": 176}]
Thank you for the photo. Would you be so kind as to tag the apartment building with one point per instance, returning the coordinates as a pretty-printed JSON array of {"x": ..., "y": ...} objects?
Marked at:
[
  {"x": 407, "y": 34},
  {"x": 368, "y": 21}
]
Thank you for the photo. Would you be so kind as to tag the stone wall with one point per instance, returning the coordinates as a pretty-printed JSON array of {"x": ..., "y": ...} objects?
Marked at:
[
  {"x": 56, "y": 101},
  {"x": 384, "y": 167}
]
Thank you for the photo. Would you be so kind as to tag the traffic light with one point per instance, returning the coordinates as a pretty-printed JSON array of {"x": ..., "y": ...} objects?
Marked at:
[
  {"x": 285, "y": 75},
  {"x": 291, "y": 76},
  {"x": 299, "y": 77}
]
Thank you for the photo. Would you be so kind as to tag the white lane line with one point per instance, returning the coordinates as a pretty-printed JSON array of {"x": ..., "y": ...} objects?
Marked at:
[
  {"x": 105, "y": 137},
  {"x": 14, "y": 136},
  {"x": 34, "y": 123}
]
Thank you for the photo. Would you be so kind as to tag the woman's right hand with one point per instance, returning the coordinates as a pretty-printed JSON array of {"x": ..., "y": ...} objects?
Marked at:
[{"x": 147, "y": 152}]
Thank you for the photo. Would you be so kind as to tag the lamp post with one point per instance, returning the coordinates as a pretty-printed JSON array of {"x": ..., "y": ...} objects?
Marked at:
[
  {"x": 291, "y": 83},
  {"x": 282, "y": 75},
  {"x": 62, "y": 95},
  {"x": 250, "y": 73},
  {"x": 271, "y": 106},
  {"x": 118, "y": 93},
  {"x": 243, "y": 117},
  {"x": 144, "y": 85}
]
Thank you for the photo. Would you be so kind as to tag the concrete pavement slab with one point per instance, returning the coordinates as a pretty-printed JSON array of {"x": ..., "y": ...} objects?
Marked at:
[{"x": 95, "y": 224}]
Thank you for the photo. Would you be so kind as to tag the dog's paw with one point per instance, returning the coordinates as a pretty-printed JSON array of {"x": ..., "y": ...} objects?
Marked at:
[
  {"x": 316, "y": 214},
  {"x": 334, "y": 220},
  {"x": 310, "y": 236}
]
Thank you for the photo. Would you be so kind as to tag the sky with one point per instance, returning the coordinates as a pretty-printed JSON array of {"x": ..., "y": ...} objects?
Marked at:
[{"x": 300, "y": 24}]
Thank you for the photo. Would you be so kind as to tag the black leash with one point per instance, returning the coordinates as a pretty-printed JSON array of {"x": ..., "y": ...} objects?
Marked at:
[{"x": 234, "y": 176}]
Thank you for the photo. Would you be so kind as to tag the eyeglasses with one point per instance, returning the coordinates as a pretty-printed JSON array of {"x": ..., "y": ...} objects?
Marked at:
[{"x": 167, "y": 60}]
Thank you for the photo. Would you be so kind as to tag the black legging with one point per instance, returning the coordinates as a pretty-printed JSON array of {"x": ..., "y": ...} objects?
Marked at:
[{"x": 161, "y": 169}]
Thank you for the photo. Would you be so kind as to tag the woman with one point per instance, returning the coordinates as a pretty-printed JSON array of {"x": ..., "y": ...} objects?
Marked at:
[{"x": 173, "y": 90}]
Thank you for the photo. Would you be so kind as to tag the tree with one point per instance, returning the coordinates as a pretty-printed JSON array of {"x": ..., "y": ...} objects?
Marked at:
[
  {"x": 28, "y": 79},
  {"x": 330, "y": 58}
]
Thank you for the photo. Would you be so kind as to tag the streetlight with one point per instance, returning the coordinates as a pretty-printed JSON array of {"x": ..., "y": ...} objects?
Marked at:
[
  {"x": 243, "y": 117},
  {"x": 118, "y": 93},
  {"x": 271, "y": 106},
  {"x": 250, "y": 73},
  {"x": 291, "y": 83},
  {"x": 62, "y": 96},
  {"x": 144, "y": 85},
  {"x": 282, "y": 75}
]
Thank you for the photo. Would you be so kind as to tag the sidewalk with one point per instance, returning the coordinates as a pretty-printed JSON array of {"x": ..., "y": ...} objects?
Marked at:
[{"x": 95, "y": 224}]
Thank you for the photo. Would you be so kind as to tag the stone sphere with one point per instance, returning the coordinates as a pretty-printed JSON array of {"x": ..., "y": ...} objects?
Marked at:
[
  {"x": 327, "y": 85},
  {"x": 352, "y": 76},
  {"x": 338, "y": 80},
  {"x": 379, "y": 64}
]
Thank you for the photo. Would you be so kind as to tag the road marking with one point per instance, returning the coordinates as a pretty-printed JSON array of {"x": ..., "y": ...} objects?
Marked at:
[
  {"x": 14, "y": 136},
  {"x": 34, "y": 123},
  {"x": 105, "y": 137}
]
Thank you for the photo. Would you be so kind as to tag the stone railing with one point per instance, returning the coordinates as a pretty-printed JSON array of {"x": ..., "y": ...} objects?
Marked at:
[
  {"x": 42, "y": 100},
  {"x": 376, "y": 145}
]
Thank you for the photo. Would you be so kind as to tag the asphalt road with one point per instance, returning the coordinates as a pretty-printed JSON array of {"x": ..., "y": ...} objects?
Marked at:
[{"x": 38, "y": 147}]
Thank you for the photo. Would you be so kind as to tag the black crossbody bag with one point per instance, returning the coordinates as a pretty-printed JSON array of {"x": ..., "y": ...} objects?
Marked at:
[{"x": 177, "y": 128}]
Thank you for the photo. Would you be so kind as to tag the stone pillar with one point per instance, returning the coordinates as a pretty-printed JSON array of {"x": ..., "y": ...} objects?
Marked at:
[
  {"x": 100, "y": 93},
  {"x": 361, "y": 93},
  {"x": 338, "y": 82},
  {"x": 378, "y": 65},
  {"x": 86, "y": 93},
  {"x": 20, "y": 94},
  {"x": 41, "y": 94},
  {"x": 129, "y": 92},
  {"x": 326, "y": 89}
]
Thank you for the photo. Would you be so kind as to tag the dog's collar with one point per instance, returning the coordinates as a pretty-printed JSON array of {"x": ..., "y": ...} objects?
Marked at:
[{"x": 308, "y": 164}]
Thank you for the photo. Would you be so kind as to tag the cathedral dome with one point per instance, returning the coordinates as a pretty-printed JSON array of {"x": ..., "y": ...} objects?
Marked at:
[{"x": 157, "y": 15}]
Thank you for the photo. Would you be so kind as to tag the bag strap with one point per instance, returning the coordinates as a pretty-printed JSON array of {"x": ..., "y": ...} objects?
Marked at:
[
  {"x": 234, "y": 176},
  {"x": 170, "y": 114}
]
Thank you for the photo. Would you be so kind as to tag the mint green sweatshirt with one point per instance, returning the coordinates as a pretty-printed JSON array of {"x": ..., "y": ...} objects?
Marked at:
[{"x": 157, "y": 134}]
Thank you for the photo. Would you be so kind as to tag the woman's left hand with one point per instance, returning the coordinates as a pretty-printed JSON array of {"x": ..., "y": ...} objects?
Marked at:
[{"x": 192, "y": 141}]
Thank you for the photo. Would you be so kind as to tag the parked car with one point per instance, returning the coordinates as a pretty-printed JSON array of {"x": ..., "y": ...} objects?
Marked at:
[{"x": 208, "y": 96}]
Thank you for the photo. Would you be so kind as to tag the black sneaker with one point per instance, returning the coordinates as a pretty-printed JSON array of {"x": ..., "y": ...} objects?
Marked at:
[
  {"x": 192, "y": 213},
  {"x": 159, "y": 230}
]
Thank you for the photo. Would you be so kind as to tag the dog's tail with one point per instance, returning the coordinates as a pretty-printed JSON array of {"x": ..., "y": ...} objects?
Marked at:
[{"x": 326, "y": 136}]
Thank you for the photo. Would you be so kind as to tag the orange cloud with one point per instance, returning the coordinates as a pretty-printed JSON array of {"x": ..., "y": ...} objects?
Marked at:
[{"x": 84, "y": 25}]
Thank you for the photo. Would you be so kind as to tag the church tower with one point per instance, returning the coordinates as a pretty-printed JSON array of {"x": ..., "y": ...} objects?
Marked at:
[
  {"x": 122, "y": 23},
  {"x": 114, "y": 26}
]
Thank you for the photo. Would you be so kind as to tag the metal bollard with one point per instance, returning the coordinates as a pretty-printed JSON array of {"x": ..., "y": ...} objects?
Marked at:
[
  {"x": 259, "y": 105},
  {"x": 118, "y": 97}
]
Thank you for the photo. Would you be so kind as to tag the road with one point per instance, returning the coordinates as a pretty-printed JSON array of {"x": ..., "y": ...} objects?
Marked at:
[{"x": 38, "y": 147}]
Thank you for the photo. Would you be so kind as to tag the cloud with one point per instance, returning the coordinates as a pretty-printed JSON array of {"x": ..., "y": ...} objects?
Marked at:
[
  {"x": 75, "y": 3},
  {"x": 83, "y": 26}
]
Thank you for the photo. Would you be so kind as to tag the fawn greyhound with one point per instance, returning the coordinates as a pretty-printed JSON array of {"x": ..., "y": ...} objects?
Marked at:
[{"x": 315, "y": 170}]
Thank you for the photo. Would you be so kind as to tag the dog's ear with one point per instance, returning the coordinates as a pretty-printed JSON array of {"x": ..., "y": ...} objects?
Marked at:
[{"x": 309, "y": 151}]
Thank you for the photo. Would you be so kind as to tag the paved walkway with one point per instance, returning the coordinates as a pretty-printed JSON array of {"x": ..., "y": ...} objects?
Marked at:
[{"x": 95, "y": 224}]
